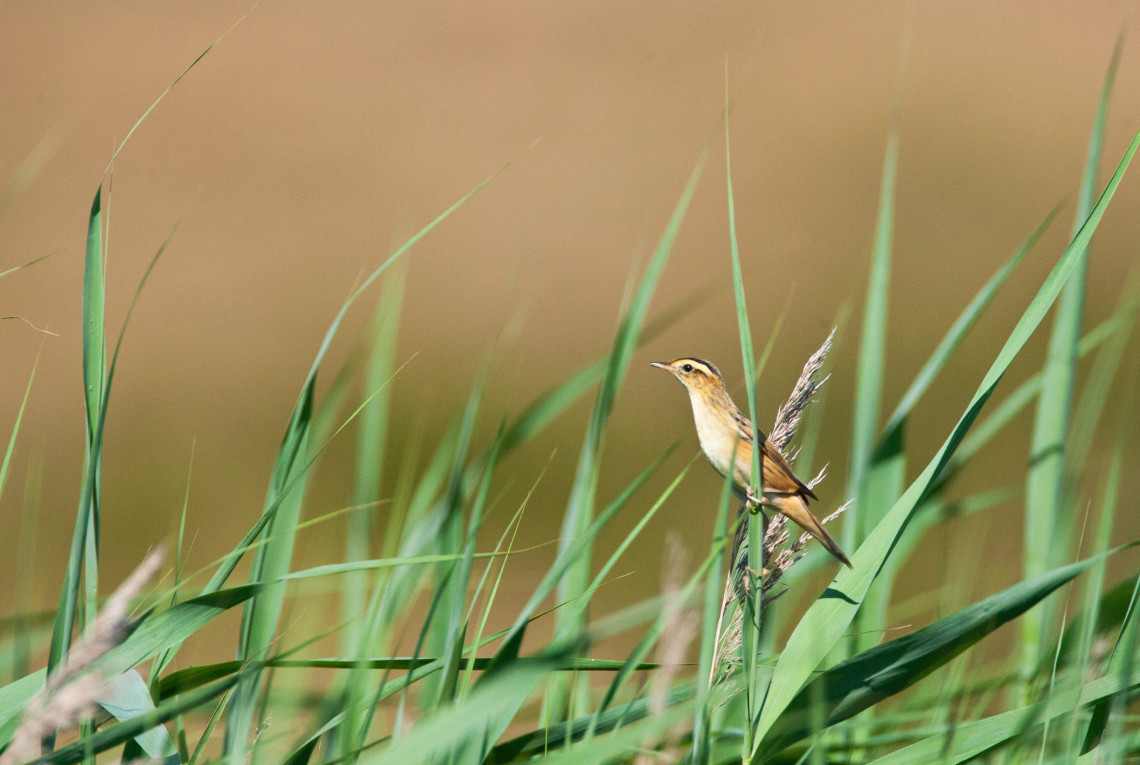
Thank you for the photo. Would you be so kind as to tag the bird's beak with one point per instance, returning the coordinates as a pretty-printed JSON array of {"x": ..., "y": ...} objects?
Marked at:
[{"x": 661, "y": 365}]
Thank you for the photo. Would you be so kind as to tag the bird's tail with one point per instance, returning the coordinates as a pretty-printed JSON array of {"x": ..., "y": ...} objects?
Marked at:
[{"x": 795, "y": 507}]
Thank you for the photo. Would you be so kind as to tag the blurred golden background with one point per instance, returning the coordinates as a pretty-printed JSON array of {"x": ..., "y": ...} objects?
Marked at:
[{"x": 316, "y": 137}]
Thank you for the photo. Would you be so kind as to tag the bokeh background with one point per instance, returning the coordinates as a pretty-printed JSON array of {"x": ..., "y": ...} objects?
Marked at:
[{"x": 318, "y": 136}]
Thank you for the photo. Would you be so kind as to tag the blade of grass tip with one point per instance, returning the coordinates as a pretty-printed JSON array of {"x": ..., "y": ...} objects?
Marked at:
[
  {"x": 98, "y": 388},
  {"x": 169, "y": 88},
  {"x": 227, "y": 568},
  {"x": 31, "y": 262},
  {"x": 93, "y": 380},
  {"x": 750, "y": 643},
  {"x": 579, "y": 509},
  {"x": 371, "y": 445},
  {"x": 1044, "y": 545},
  {"x": 828, "y": 618}
]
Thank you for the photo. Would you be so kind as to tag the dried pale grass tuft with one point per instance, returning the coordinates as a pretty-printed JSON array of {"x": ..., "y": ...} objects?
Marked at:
[
  {"x": 777, "y": 555},
  {"x": 73, "y": 688}
]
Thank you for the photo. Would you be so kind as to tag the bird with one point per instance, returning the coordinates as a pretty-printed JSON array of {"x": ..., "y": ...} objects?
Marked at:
[{"x": 726, "y": 437}]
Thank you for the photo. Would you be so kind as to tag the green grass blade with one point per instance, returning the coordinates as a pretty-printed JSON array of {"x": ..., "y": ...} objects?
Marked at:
[
  {"x": 31, "y": 262},
  {"x": 271, "y": 562},
  {"x": 154, "y": 634},
  {"x": 1094, "y": 397},
  {"x": 1005, "y": 411},
  {"x": 603, "y": 572},
  {"x": 1094, "y": 590},
  {"x": 580, "y": 506},
  {"x": 869, "y": 677},
  {"x": 1045, "y": 539},
  {"x": 371, "y": 446},
  {"x": 16, "y": 425},
  {"x": 457, "y": 617},
  {"x": 989, "y": 733},
  {"x": 885, "y": 481},
  {"x": 872, "y": 353},
  {"x": 750, "y": 638},
  {"x": 570, "y": 554},
  {"x": 231, "y": 562},
  {"x": 94, "y": 369},
  {"x": 827, "y": 619},
  {"x": 1119, "y": 661}
]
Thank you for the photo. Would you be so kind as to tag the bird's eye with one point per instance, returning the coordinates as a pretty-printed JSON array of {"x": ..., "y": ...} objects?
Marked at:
[{"x": 688, "y": 367}]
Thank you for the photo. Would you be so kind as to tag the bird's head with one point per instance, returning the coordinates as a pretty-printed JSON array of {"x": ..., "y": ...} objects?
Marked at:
[{"x": 697, "y": 375}]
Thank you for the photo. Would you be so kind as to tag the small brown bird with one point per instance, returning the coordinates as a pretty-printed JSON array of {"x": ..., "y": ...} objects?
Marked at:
[{"x": 721, "y": 428}]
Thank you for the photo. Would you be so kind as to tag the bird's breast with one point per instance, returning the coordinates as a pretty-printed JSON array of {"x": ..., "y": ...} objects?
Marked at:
[{"x": 718, "y": 437}]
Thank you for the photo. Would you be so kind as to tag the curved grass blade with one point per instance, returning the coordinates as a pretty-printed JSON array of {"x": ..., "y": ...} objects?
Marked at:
[
  {"x": 971, "y": 739},
  {"x": 1021, "y": 397},
  {"x": 371, "y": 447},
  {"x": 94, "y": 371},
  {"x": 869, "y": 677},
  {"x": 827, "y": 619}
]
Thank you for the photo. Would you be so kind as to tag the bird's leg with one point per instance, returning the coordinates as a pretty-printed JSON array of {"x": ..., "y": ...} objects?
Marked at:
[{"x": 756, "y": 503}]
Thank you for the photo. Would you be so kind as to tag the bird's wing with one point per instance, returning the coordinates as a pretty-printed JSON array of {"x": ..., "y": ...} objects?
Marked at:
[{"x": 778, "y": 474}]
